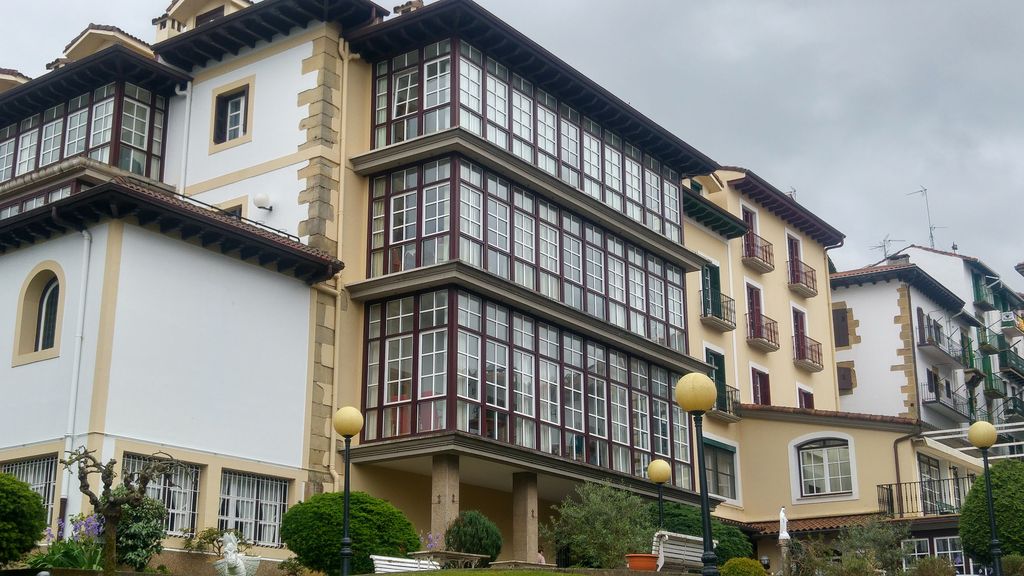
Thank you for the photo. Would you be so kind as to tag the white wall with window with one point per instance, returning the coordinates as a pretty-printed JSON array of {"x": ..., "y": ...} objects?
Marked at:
[
  {"x": 275, "y": 116},
  {"x": 253, "y": 374},
  {"x": 40, "y": 473},
  {"x": 823, "y": 468}
]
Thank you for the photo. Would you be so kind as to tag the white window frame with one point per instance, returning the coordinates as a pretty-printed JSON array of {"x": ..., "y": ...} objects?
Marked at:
[
  {"x": 794, "y": 466},
  {"x": 256, "y": 516}
]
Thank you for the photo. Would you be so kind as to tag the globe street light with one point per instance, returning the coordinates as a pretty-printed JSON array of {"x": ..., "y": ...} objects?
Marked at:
[
  {"x": 348, "y": 421},
  {"x": 696, "y": 394},
  {"x": 660, "y": 472},
  {"x": 982, "y": 435}
]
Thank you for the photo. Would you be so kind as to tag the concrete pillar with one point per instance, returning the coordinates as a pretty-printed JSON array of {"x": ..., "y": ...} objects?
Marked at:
[
  {"x": 784, "y": 549},
  {"x": 444, "y": 493},
  {"x": 524, "y": 517}
]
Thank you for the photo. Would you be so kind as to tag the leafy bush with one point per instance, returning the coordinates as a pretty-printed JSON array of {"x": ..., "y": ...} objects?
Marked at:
[
  {"x": 209, "y": 539},
  {"x": 852, "y": 566},
  {"x": 22, "y": 518},
  {"x": 313, "y": 530},
  {"x": 82, "y": 550},
  {"x": 474, "y": 533},
  {"x": 933, "y": 566},
  {"x": 599, "y": 524},
  {"x": 1013, "y": 565},
  {"x": 742, "y": 567},
  {"x": 141, "y": 531},
  {"x": 291, "y": 567},
  {"x": 732, "y": 542},
  {"x": 1008, "y": 502},
  {"x": 810, "y": 557}
]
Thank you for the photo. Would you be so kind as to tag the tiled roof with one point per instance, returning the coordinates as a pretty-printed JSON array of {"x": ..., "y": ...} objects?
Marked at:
[
  {"x": 104, "y": 28},
  {"x": 785, "y": 207},
  {"x": 820, "y": 524},
  {"x": 12, "y": 72},
  {"x": 907, "y": 272}
]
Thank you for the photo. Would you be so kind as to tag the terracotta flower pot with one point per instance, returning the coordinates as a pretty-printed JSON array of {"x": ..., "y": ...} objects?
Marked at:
[{"x": 642, "y": 562}]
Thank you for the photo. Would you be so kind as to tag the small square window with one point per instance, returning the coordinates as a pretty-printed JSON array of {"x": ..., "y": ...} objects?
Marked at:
[{"x": 231, "y": 120}]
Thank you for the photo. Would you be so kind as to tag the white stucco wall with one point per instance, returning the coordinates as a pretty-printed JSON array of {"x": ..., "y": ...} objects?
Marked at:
[
  {"x": 275, "y": 121},
  {"x": 283, "y": 188},
  {"x": 210, "y": 353},
  {"x": 35, "y": 397},
  {"x": 878, "y": 387}
]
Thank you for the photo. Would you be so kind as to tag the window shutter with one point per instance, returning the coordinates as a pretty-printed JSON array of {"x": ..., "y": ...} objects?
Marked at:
[
  {"x": 845, "y": 374},
  {"x": 841, "y": 327}
]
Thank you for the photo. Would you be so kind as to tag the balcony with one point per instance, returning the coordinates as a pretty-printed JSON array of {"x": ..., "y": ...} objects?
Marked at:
[
  {"x": 984, "y": 298},
  {"x": 926, "y": 498},
  {"x": 972, "y": 362},
  {"x": 994, "y": 417},
  {"x": 757, "y": 253},
  {"x": 1013, "y": 409},
  {"x": 802, "y": 279},
  {"x": 1011, "y": 365},
  {"x": 995, "y": 387},
  {"x": 941, "y": 398},
  {"x": 807, "y": 353},
  {"x": 727, "y": 406},
  {"x": 988, "y": 341},
  {"x": 1012, "y": 324},
  {"x": 933, "y": 341},
  {"x": 718, "y": 311},
  {"x": 762, "y": 332}
]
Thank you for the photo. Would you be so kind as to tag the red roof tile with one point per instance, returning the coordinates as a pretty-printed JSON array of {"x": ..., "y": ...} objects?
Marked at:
[
  {"x": 820, "y": 524},
  {"x": 104, "y": 28}
]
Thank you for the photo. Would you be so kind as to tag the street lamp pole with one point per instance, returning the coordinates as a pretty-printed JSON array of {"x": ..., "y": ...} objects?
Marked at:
[
  {"x": 696, "y": 394},
  {"x": 348, "y": 421},
  {"x": 659, "y": 471},
  {"x": 982, "y": 435}
]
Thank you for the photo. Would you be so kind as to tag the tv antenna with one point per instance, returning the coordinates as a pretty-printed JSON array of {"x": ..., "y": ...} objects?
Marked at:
[
  {"x": 884, "y": 245},
  {"x": 928, "y": 211}
]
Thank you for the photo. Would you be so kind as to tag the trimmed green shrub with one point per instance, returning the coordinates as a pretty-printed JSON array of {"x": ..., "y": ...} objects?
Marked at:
[
  {"x": 22, "y": 518},
  {"x": 732, "y": 542},
  {"x": 313, "y": 530},
  {"x": 141, "y": 531},
  {"x": 932, "y": 566},
  {"x": 742, "y": 567},
  {"x": 474, "y": 533},
  {"x": 599, "y": 524},
  {"x": 1008, "y": 502},
  {"x": 1013, "y": 565}
]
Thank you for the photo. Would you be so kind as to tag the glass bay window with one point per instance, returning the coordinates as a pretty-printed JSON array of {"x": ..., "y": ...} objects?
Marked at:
[{"x": 516, "y": 379}]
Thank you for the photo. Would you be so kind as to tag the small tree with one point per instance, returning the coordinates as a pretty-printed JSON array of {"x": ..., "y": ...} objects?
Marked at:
[
  {"x": 22, "y": 518},
  {"x": 1008, "y": 502},
  {"x": 313, "y": 531},
  {"x": 107, "y": 503},
  {"x": 474, "y": 533},
  {"x": 732, "y": 542},
  {"x": 599, "y": 524},
  {"x": 141, "y": 532},
  {"x": 877, "y": 541}
]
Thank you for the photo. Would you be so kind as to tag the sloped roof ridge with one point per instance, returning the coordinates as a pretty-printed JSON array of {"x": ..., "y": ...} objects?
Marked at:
[{"x": 105, "y": 28}]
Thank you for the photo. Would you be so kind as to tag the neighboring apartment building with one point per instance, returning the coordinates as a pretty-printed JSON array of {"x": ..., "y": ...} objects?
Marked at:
[{"x": 910, "y": 346}]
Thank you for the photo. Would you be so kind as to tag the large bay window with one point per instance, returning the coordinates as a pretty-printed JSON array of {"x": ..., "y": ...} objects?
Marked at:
[
  {"x": 517, "y": 380},
  {"x": 511, "y": 233}
]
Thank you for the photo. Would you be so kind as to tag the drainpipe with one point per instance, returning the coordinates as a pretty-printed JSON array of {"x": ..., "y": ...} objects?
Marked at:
[
  {"x": 76, "y": 365},
  {"x": 187, "y": 93},
  {"x": 896, "y": 461},
  {"x": 346, "y": 56}
]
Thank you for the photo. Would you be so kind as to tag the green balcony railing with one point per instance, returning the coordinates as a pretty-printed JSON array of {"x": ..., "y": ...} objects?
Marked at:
[
  {"x": 994, "y": 385},
  {"x": 1014, "y": 407},
  {"x": 1012, "y": 364},
  {"x": 970, "y": 359},
  {"x": 988, "y": 341},
  {"x": 984, "y": 298}
]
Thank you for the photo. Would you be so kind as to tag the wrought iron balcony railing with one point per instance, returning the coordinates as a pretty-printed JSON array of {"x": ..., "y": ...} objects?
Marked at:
[
  {"x": 807, "y": 353},
  {"x": 925, "y": 498},
  {"x": 762, "y": 332},
  {"x": 717, "y": 310},
  {"x": 802, "y": 279},
  {"x": 757, "y": 253}
]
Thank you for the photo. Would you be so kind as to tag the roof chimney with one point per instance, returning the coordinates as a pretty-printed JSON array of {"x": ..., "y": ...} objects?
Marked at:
[
  {"x": 408, "y": 7},
  {"x": 899, "y": 259}
]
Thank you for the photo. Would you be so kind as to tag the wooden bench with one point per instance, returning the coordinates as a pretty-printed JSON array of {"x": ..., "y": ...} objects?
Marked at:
[
  {"x": 389, "y": 564},
  {"x": 678, "y": 550}
]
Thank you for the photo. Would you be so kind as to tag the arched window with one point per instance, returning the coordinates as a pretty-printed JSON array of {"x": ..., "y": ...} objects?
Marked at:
[
  {"x": 46, "y": 319},
  {"x": 40, "y": 311},
  {"x": 825, "y": 467}
]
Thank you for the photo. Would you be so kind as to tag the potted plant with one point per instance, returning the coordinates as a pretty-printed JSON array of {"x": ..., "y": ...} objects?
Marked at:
[{"x": 642, "y": 562}]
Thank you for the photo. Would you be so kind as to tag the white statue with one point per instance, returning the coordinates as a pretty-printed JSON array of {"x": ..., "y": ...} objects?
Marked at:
[
  {"x": 234, "y": 562},
  {"x": 783, "y": 524}
]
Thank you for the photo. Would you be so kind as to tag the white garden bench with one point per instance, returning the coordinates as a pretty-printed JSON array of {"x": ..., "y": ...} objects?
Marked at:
[
  {"x": 678, "y": 551},
  {"x": 390, "y": 564}
]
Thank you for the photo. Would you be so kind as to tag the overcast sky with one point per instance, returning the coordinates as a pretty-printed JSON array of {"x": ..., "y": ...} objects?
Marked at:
[{"x": 854, "y": 104}]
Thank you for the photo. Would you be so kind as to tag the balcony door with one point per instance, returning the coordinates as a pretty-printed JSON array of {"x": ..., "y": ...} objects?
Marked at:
[
  {"x": 931, "y": 484},
  {"x": 712, "y": 287},
  {"x": 754, "y": 312},
  {"x": 718, "y": 375},
  {"x": 794, "y": 259},
  {"x": 800, "y": 333},
  {"x": 750, "y": 219}
]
